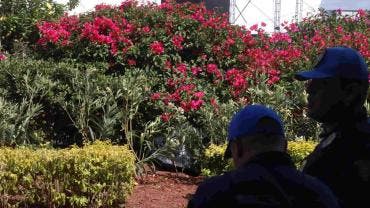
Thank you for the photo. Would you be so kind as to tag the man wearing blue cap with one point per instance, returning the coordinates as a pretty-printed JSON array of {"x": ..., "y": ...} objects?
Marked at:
[
  {"x": 337, "y": 90},
  {"x": 265, "y": 175}
]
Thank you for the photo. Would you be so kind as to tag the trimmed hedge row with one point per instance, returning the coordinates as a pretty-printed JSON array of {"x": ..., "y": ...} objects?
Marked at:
[
  {"x": 97, "y": 175},
  {"x": 213, "y": 162}
]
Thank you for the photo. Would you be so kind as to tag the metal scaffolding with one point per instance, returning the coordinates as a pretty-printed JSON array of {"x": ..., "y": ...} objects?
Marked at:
[
  {"x": 236, "y": 12},
  {"x": 235, "y": 9},
  {"x": 277, "y": 15},
  {"x": 298, "y": 10}
]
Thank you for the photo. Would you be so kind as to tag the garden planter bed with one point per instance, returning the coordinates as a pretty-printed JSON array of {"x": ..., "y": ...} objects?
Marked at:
[{"x": 163, "y": 190}]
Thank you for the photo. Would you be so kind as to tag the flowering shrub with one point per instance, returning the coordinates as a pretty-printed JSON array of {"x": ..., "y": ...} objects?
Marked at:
[
  {"x": 325, "y": 29},
  {"x": 200, "y": 70},
  {"x": 18, "y": 19},
  {"x": 186, "y": 43}
]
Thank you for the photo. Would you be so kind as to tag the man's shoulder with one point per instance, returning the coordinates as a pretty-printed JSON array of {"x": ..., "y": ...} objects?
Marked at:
[
  {"x": 216, "y": 183},
  {"x": 361, "y": 139},
  {"x": 209, "y": 189},
  {"x": 313, "y": 184},
  {"x": 363, "y": 127},
  {"x": 248, "y": 173},
  {"x": 211, "y": 186},
  {"x": 223, "y": 184}
]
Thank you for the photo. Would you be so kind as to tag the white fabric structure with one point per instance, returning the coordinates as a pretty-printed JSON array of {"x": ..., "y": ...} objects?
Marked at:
[
  {"x": 347, "y": 5},
  {"x": 88, "y": 5}
]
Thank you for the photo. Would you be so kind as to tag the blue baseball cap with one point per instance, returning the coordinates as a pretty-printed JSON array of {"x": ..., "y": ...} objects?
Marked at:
[
  {"x": 246, "y": 122},
  {"x": 340, "y": 62}
]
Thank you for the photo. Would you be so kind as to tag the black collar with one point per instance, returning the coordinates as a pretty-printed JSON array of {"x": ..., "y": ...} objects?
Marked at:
[
  {"x": 273, "y": 158},
  {"x": 353, "y": 125}
]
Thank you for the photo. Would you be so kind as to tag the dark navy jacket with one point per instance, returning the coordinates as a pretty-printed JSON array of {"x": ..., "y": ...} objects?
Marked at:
[
  {"x": 268, "y": 180},
  {"x": 342, "y": 161}
]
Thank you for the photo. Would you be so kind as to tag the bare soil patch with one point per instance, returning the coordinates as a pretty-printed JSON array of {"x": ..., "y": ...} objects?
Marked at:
[{"x": 163, "y": 190}]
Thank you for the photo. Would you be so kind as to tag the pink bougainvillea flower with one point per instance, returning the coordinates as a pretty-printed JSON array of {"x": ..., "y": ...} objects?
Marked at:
[
  {"x": 254, "y": 27},
  {"x": 157, "y": 47},
  {"x": 199, "y": 95},
  {"x": 131, "y": 62},
  {"x": 187, "y": 88},
  {"x": 155, "y": 96},
  {"x": 280, "y": 37},
  {"x": 185, "y": 106},
  {"x": 181, "y": 68},
  {"x": 165, "y": 117},
  {"x": 196, "y": 70},
  {"x": 212, "y": 68},
  {"x": 53, "y": 32},
  {"x": 361, "y": 13},
  {"x": 175, "y": 97},
  {"x": 146, "y": 29},
  {"x": 2, "y": 56},
  {"x": 177, "y": 41},
  {"x": 103, "y": 6},
  {"x": 196, "y": 104},
  {"x": 171, "y": 83},
  {"x": 230, "y": 41},
  {"x": 213, "y": 102}
]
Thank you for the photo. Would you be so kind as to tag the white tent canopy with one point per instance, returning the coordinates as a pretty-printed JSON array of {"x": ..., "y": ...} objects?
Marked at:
[{"x": 345, "y": 4}]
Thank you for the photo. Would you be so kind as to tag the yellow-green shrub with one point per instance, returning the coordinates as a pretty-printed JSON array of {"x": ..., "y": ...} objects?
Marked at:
[
  {"x": 300, "y": 149},
  {"x": 97, "y": 175},
  {"x": 213, "y": 162}
]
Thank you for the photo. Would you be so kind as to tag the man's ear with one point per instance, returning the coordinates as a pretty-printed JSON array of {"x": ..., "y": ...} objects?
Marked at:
[
  {"x": 237, "y": 149},
  {"x": 285, "y": 145},
  {"x": 351, "y": 93},
  {"x": 240, "y": 150}
]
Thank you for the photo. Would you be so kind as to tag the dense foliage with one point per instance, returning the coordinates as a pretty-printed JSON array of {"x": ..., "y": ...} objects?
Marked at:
[
  {"x": 98, "y": 175},
  {"x": 18, "y": 20},
  {"x": 162, "y": 78}
]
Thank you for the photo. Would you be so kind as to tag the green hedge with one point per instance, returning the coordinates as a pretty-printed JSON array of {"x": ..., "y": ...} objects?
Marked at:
[
  {"x": 300, "y": 149},
  {"x": 98, "y": 175},
  {"x": 214, "y": 163}
]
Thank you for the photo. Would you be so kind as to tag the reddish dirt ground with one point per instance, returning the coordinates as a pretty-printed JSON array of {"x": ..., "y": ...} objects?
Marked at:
[{"x": 163, "y": 190}]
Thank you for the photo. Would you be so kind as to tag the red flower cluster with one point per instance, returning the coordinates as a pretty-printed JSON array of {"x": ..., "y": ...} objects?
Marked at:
[
  {"x": 237, "y": 81},
  {"x": 196, "y": 70},
  {"x": 157, "y": 47},
  {"x": 103, "y": 7},
  {"x": 280, "y": 37},
  {"x": 105, "y": 31},
  {"x": 54, "y": 33},
  {"x": 102, "y": 30},
  {"x": 165, "y": 117},
  {"x": 212, "y": 69},
  {"x": 184, "y": 95},
  {"x": 195, "y": 51},
  {"x": 177, "y": 41},
  {"x": 181, "y": 68},
  {"x": 2, "y": 56}
]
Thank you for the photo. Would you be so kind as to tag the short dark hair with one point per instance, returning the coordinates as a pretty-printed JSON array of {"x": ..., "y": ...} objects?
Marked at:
[
  {"x": 363, "y": 89},
  {"x": 263, "y": 142}
]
